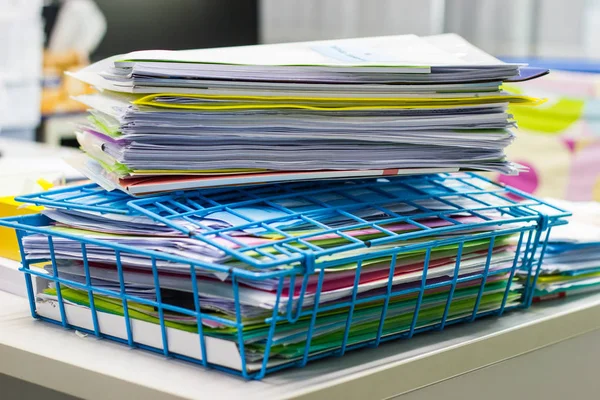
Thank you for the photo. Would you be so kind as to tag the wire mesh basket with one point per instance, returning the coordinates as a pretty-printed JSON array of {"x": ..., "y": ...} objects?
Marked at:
[{"x": 297, "y": 272}]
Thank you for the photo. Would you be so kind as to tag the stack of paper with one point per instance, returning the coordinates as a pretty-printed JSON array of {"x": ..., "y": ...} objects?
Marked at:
[
  {"x": 258, "y": 297},
  {"x": 352, "y": 259},
  {"x": 572, "y": 261},
  {"x": 301, "y": 111}
]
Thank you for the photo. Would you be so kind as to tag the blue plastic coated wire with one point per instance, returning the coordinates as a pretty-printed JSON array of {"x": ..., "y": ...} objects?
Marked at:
[
  {"x": 127, "y": 297},
  {"x": 352, "y": 305},
  {"x": 77, "y": 197},
  {"x": 239, "y": 326},
  {"x": 484, "y": 277},
  {"x": 512, "y": 271},
  {"x": 290, "y": 262},
  {"x": 196, "y": 299},
  {"x": 119, "y": 265},
  {"x": 412, "y": 185},
  {"x": 529, "y": 256},
  {"x": 25, "y": 268},
  {"x": 452, "y": 286},
  {"x": 161, "y": 313},
  {"x": 272, "y": 324},
  {"x": 313, "y": 319},
  {"x": 386, "y": 298},
  {"x": 88, "y": 284},
  {"x": 61, "y": 304},
  {"x": 415, "y": 317},
  {"x": 536, "y": 273},
  {"x": 291, "y": 317}
]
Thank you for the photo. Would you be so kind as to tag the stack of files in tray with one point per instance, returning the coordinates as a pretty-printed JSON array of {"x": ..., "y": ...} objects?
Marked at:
[
  {"x": 353, "y": 108},
  {"x": 571, "y": 264},
  {"x": 258, "y": 297}
]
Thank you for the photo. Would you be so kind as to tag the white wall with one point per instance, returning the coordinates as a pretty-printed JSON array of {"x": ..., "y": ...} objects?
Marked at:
[
  {"x": 298, "y": 20},
  {"x": 551, "y": 28}
]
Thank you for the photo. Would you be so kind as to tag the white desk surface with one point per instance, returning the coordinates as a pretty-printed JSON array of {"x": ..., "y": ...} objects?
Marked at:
[
  {"x": 16, "y": 148},
  {"x": 89, "y": 368},
  {"x": 23, "y": 162},
  {"x": 11, "y": 279}
]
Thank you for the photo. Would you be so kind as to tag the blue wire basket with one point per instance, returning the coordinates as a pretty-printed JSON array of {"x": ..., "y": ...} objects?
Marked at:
[{"x": 312, "y": 229}]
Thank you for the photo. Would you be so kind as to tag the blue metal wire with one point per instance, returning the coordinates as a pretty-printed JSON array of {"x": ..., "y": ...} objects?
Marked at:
[
  {"x": 123, "y": 295},
  {"x": 25, "y": 268},
  {"x": 352, "y": 305},
  {"x": 88, "y": 284},
  {"x": 313, "y": 319},
  {"x": 272, "y": 324},
  {"x": 484, "y": 277},
  {"x": 196, "y": 298},
  {"x": 61, "y": 304},
  {"x": 536, "y": 271},
  {"x": 514, "y": 268},
  {"x": 388, "y": 295},
  {"x": 415, "y": 318},
  {"x": 530, "y": 220},
  {"x": 453, "y": 284},
  {"x": 90, "y": 197},
  {"x": 161, "y": 312}
]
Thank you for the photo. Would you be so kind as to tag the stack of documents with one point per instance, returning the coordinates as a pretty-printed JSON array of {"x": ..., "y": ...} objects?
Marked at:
[
  {"x": 290, "y": 270},
  {"x": 571, "y": 264},
  {"x": 353, "y": 108},
  {"x": 481, "y": 264}
]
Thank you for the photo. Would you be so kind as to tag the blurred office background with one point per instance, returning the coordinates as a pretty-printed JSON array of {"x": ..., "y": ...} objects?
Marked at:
[
  {"x": 41, "y": 39},
  {"x": 73, "y": 32},
  {"x": 543, "y": 28}
]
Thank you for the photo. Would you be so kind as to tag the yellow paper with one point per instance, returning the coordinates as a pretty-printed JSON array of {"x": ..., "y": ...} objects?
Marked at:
[
  {"x": 330, "y": 103},
  {"x": 9, "y": 247},
  {"x": 561, "y": 278}
]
